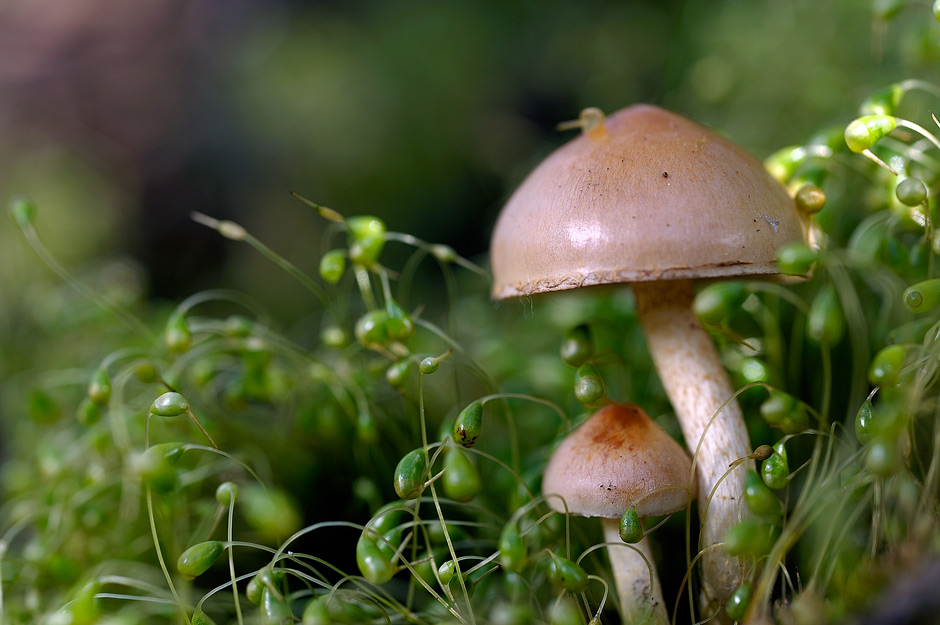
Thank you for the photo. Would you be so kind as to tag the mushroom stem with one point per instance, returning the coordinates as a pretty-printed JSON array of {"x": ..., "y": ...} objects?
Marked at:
[
  {"x": 641, "y": 597},
  {"x": 697, "y": 385}
]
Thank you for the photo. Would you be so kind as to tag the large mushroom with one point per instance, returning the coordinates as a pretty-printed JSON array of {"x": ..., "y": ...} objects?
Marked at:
[
  {"x": 648, "y": 197},
  {"x": 619, "y": 459}
]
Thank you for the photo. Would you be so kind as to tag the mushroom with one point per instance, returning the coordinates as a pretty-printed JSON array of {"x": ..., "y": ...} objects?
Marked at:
[
  {"x": 618, "y": 459},
  {"x": 648, "y": 197}
]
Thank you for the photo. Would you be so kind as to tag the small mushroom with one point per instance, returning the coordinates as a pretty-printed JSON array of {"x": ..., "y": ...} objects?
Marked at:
[
  {"x": 648, "y": 197},
  {"x": 618, "y": 459}
]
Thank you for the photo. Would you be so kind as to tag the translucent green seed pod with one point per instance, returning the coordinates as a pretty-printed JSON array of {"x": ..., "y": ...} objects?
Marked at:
[
  {"x": 226, "y": 493},
  {"x": 512, "y": 548},
  {"x": 177, "y": 336},
  {"x": 386, "y": 518},
  {"x": 750, "y": 537},
  {"x": 271, "y": 512},
  {"x": 461, "y": 480},
  {"x": 398, "y": 324},
  {"x": 775, "y": 470},
  {"x": 911, "y": 192},
  {"x": 409, "y": 474},
  {"x": 154, "y": 466},
  {"x": 197, "y": 559},
  {"x": 469, "y": 424},
  {"x": 88, "y": 412},
  {"x": 446, "y": 571},
  {"x": 865, "y": 422},
  {"x": 825, "y": 323},
  {"x": 42, "y": 407},
  {"x": 366, "y": 239},
  {"x": 863, "y": 133},
  {"x": 783, "y": 163},
  {"x": 565, "y": 611},
  {"x": 923, "y": 296},
  {"x": 398, "y": 373},
  {"x": 784, "y": 411},
  {"x": 316, "y": 612},
  {"x": 145, "y": 371},
  {"x": 739, "y": 602},
  {"x": 883, "y": 102},
  {"x": 275, "y": 610},
  {"x": 886, "y": 366},
  {"x": 370, "y": 329},
  {"x": 567, "y": 574},
  {"x": 589, "y": 388},
  {"x": 796, "y": 259},
  {"x": 170, "y": 404},
  {"x": 631, "y": 531},
  {"x": 99, "y": 389},
  {"x": 759, "y": 498},
  {"x": 428, "y": 365},
  {"x": 716, "y": 303},
  {"x": 810, "y": 199},
  {"x": 334, "y": 336},
  {"x": 577, "y": 347},
  {"x": 22, "y": 210},
  {"x": 265, "y": 578},
  {"x": 883, "y": 458},
  {"x": 910, "y": 332},
  {"x": 333, "y": 266},
  {"x": 373, "y": 563}
]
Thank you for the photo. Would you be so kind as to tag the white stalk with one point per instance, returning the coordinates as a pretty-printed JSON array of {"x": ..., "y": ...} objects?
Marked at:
[
  {"x": 698, "y": 385},
  {"x": 641, "y": 597}
]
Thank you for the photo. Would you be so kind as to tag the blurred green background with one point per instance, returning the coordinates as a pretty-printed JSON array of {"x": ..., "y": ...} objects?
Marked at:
[{"x": 119, "y": 119}]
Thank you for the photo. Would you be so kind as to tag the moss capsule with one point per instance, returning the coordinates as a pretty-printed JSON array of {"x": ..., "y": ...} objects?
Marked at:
[
  {"x": 923, "y": 296},
  {"x": 397, "y": 374},
  {"x": 469, "y": 424},
  {"x": 810, "y": 199},
  {"x": 796, "y": 259},
  {"x": 589, "y": 388},
  {"x": 739, "y": 602},
  {"x": 825, "y": 323},
  {"x": 170, "y": 404},
  {"x": 631, "y": 531},
  {"x": 716, "y": 303},
  {"x": 265, "y": 578},
  {"x": 99, "y": 389},
  {"x": 512, "y": 549},
  {"x": 461, "y": 480},
  {"x": 409, "y": 474},
  {"x": 226, "y": 493},
  {"x": 577, "y": 347},
  {"x": 398, "y": 324},
  {"x": 366, "y": 239},
  {"x": 177, "y": 336},
  {"x": 911, "y": 192},
  {"x": 886, "y": 366},
  {"x": 200, "y": 618},
  {"x": 370, "y": 328},
  {"x": 750, "y": 537},
  {"x": 759, "y": 498},
  {"x": 865, "y": 422},
  {"x": 784, "y": 411},
  {"x": 145, "y": 371},
  {"x": 197, "y": 559},
  {"x": 783, "y": 163},
  {"x": 863, "y": 133},
  {"x": 567, "y": 574},
  {"x": 428, "y": 365},
  {"x": 88, "y": 412},
  {"x": 883, "y": 102},
  {"x": 775, "y": 470},
  {"x": 883, "y": 458},
  {"x": 316, "y": 612},
  {"x": 446, "y": 572},
  {"x": 333, "y": 266},
  {"x": 271, "y": 512},
  {"x": 373, "y": 563},
  {"x": 275, "y": 610}
]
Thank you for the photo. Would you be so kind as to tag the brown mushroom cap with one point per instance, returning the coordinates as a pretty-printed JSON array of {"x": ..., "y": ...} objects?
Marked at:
[
  {"x": 647, "y": 195},
  {"x": 614, "y": 460}
]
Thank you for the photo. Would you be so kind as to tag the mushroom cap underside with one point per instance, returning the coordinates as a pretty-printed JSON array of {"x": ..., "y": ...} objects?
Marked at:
[
  {"x": 650, "y": 195},
  {"x": 616, "y": 459}
]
